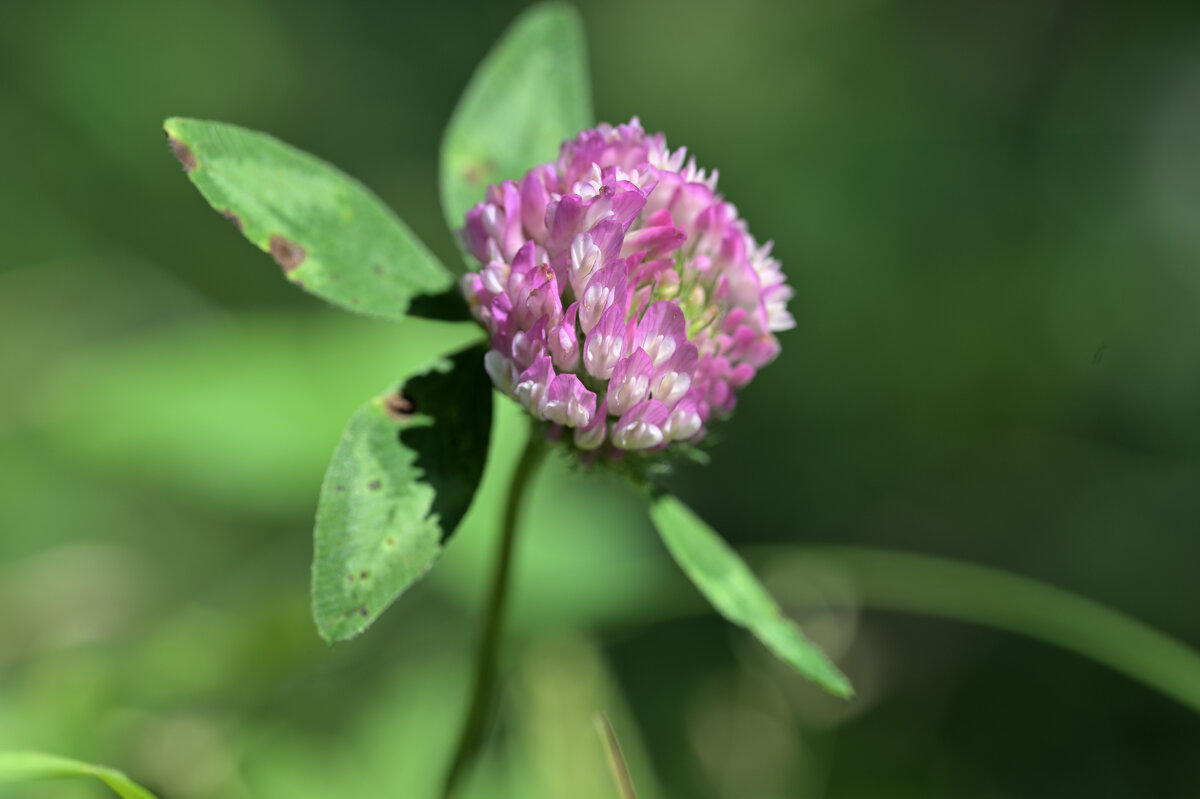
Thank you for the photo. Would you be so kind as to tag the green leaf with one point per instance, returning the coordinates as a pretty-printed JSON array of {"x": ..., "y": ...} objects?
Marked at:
[
  {"x": 24, "y": 766},
  {"x": 329, "y": 234},
  {"x": 736, "y": 593},
  {"x": 531, "y": 92},
  {"x": 400, "y": 481}
]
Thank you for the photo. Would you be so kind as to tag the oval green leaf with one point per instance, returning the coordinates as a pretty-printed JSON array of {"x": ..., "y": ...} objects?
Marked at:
[
  {"x": 725, "y": 581},
  {"x": 401, "y": 479},
  {"x": 327, "y": 232},
  {"x": 530, "y": 93},
  {"x": 26, "y": 766}
]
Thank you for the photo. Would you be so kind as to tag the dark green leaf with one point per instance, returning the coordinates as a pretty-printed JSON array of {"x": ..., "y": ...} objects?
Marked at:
[
  {"x": 25, "y": 766},
  {"x": 736, "y": 593},
  {"x": 529, "y": 94},
  {"x": 400, "y": 481},
  {"x": 329, "y": 234}
]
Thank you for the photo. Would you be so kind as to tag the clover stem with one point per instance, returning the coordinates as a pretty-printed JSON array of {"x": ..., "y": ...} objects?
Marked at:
[{"x": 489, "y": 644}]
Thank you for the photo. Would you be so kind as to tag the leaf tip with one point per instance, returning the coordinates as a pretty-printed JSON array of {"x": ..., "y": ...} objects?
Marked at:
[
  {"x": 180, "y": 150},
  {"x": 551, "y": 15},
  {"x": 841, "y": 688},
  {"x": 567, "y": 12},
  {"x": 342, "y": 627}
]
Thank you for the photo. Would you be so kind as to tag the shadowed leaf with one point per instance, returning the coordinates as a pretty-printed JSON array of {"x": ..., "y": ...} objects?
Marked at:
[
  {"x": 736, "y": 593},
  {"x": 401, "y": 479},
  {"x": 531, "y": 92},
  {"x": 327, "y": 232}
]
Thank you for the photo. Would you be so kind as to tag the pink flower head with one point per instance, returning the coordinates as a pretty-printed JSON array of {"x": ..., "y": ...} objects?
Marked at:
[{"x": 624, "y": 297}]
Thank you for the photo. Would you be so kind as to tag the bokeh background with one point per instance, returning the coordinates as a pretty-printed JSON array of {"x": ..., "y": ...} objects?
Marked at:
[{"x": 989, "y": 213}]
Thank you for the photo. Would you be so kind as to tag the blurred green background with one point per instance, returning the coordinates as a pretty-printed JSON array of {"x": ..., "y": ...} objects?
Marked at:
[{"x": 989, "y": 212}]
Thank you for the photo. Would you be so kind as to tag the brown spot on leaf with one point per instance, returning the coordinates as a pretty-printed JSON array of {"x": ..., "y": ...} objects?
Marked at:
[
  {"x": 374, "y": 485},
  {"x": 399, "y": 406},
  {"x": 364, "y": 612},
  {"x": 288, "y": 254},
  {"x": 364, "y": 575},
  {"x": 389, "y": 542},
  {"x": 476, "y": 174},
  {"x": 234, "y": 218},
  {"x": 350, "y": 578},
  {"x": 339, "y": 488},
  {"x": 182, "y": 152}
]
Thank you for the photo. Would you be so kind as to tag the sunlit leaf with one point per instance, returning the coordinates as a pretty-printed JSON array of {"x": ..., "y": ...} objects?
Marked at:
[
  {"x": 401, "y": 479},
  {"x": 327, "y": 232},
  {"x": 25, "y": 766},
  {"x": 529, "y": 94},
  {"x": 736, "y": 593}
]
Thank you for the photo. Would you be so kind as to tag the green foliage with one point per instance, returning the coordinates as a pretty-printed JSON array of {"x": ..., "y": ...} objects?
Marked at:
[
  {"x": 24, "y": 766},
  {"x": 409, "y": 463},
  {"x": 1021, "y": 397},
  {"x": 733, "y": 590},
  {"x": 529, "y": 94},
  {"x": 274, "y": 388},
  {"x": 942, "y": 587},
  {"x": 562, "y": 580},
  {"x": 329, "y": 234},
  {"x": 401, "y": 480}
]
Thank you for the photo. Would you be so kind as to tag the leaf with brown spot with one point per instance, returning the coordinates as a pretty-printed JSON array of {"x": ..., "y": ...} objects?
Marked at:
[
  {"x": 399, "y": 406},
  {"x": 327, "y": 231},
  {"x": 183, "y": 153},
  {"x": 397, "y": 487},
  {"x": 232, "y": 217},
  {"x": 288, "y": 254}
]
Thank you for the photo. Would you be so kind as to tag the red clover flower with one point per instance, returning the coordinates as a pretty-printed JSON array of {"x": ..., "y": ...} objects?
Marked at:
[{"x": 624, "y": 297}]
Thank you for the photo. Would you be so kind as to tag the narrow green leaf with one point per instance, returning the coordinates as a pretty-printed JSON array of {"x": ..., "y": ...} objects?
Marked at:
[
  {"x": 733, "y": 590},
  {"x": 329, "y": 234},
  {"x": 530, "y": 93},
  {"x": 400, "y": 481},
  {"x": 948, "y": 589},
  {"x": 25, "y": 766}
]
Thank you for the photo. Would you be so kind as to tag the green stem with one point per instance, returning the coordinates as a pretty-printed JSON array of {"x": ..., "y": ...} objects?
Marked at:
[
  {"x": 616, "y": 759},
  {"x": 981, "y": 595},
  {"x": 489, "y": 645}
]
